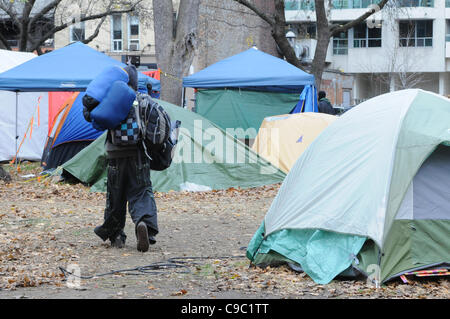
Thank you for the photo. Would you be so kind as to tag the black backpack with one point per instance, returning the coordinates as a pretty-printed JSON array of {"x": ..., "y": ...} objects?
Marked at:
[
  {"x": 154, "y": 120},
  {"x": 162, "y": 155},
  {"x": 159, "y": 134}
]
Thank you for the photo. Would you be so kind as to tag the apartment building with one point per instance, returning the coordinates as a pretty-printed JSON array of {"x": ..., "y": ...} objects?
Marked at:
[{"x": 404, "y": 45}]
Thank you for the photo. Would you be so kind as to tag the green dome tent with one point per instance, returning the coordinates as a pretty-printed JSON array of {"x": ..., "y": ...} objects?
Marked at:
[
  {"x": 206, "y": 158},
  {"x": 371, "y": 193}
]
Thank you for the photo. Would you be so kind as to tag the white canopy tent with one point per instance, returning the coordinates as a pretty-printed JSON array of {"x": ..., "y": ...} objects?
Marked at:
[{"x": 24, "y": 116}]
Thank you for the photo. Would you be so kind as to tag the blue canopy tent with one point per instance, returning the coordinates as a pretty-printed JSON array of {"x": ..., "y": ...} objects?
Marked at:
[
  {"x": 70, "y": 68},
  {"x": 240, "y": 91}
]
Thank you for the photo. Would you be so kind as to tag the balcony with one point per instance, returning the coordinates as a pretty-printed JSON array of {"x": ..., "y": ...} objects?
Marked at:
[{"x": 296, "y": 5}]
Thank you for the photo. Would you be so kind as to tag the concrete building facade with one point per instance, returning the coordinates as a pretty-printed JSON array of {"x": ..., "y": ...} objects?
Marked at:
[{"x": 404, "y": 45}]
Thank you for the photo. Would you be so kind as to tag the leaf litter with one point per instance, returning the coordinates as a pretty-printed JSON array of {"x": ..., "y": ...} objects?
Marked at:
[{"x": 46, "y": 225}]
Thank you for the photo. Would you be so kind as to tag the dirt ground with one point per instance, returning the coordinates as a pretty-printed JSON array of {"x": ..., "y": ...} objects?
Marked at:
[{"x": 200, "y": 250}]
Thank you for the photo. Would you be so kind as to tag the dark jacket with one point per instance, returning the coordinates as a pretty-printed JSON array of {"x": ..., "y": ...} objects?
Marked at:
[{"x": 326, "y": 107}]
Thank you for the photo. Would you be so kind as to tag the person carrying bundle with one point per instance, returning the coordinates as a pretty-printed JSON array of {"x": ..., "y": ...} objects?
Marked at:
[{"x": 112, "y": 102}]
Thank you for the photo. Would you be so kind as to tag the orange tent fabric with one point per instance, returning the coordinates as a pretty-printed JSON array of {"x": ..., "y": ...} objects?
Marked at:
[{"x": 55, "y": 102}]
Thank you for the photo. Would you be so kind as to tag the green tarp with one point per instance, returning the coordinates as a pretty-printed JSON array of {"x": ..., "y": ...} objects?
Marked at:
[
  {"x": 205, "y": 158},
  {"x": 242, "y": 110}
]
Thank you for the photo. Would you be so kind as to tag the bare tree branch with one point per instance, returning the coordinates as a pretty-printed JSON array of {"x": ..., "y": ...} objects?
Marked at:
[
  {"x": 24, "y": 25},
  {"x": 4, "y": 41},
  {"x": 96, "y": 31},
  {"x": 87, "y": 18},
  {"x": 336, "y": 29},
  {"x": 258, "y": 12},
  {"x": 51, "y": 6},
  {"x": 7, "y": 6}
]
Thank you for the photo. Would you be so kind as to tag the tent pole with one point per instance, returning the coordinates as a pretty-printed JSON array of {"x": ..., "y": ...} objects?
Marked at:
[
  {"x": 17, "y": 118},
  {"x": 183, "y": 92}
]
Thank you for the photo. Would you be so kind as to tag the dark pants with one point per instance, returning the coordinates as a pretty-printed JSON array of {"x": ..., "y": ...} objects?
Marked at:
[{"x": 129, "y": 181}]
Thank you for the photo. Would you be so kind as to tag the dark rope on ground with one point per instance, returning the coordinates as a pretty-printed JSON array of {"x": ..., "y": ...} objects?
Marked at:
[{"x": 183, "y": 265}]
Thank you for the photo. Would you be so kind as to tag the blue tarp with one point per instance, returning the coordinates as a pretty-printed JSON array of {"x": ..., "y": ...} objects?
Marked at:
[
  {"x": 70, "y": 68},
  {"x": 75, "y": 127},
  {"x": 307, "y": 101},
  {"x": 252, "y": 69}
]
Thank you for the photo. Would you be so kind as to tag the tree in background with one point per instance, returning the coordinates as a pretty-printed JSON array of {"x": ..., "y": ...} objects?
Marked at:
[
  {"x": 325, "y": 30},
  {"x": 36, "y": 21},
  {"x": 175, "y": 43}
]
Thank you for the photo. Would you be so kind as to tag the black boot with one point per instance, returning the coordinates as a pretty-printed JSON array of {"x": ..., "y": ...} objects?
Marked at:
[
  {"x": 119, "y": 242},
  {"x": 101, "y": 232},
  {"x": 142, "y": 237}
]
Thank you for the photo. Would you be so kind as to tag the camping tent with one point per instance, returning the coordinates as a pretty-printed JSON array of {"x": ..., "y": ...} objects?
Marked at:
[
  {"x": 372, "y": 192},
  {"x": 205, "y": 158},
  {"x": 69, "y": 134},
  {"x": 282, "y": 139},
  {"x": 10, "y": 59},
  {"x": 70, "y": 68},
  {"x": 240, "y": 91}
]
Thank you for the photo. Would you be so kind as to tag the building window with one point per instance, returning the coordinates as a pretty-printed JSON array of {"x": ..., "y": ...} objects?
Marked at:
[
  {"x": 290, "y": 5},
  {"x": 341, "y": 4},
  {"x": 340, "y": 44},
  {"x": 416, "y": 33},
  {"x": 133, "y": 30},
  {"x": 364, "y": 37},
  {"x": 447, "y": 30},
  {"x": 116, "y": 32},
  {"x": 416, "y": 3},
  {"x": 77, "y": 32},
  {"x": 363, "y": 3}
]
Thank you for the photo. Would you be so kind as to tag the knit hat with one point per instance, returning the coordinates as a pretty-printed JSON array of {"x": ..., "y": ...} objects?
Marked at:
[{"x": 133, "y": 76}]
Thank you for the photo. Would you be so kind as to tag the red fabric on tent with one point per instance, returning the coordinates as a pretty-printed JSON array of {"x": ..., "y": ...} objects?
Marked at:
[
  {"x": 153, "y": 74},
  {"x": 55, "y": 102}
]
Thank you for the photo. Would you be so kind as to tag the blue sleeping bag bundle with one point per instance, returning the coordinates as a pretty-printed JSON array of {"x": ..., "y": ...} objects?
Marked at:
[
  {"x": 99, "y": 86},
  {"x": 114, "y": 106}
]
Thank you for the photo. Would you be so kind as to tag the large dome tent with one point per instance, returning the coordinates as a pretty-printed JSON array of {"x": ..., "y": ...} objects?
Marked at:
[{"x": 372, "y": 190}]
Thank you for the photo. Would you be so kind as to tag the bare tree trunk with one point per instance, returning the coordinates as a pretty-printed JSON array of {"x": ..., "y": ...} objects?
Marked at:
[
  {"x": 323, "y": 40},
  {"x": 175, "y": 44},
  {"x": 279, "y": 35}
]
